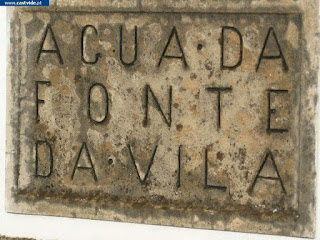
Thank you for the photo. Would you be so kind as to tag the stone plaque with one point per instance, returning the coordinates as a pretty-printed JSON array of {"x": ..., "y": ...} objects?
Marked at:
[{"x": 165, "y": 113}]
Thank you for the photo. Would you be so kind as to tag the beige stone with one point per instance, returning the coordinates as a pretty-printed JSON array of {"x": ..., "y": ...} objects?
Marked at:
[{"x": 185, "y": 113}]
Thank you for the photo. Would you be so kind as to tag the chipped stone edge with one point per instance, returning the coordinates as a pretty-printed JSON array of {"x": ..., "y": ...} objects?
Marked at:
[{"x": 306, "y": 223}]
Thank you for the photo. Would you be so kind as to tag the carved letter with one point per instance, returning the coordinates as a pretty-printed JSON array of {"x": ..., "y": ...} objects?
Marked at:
[
  {"x": 40, "y": 156},
  {"x": 223, "y": 66},
  {"x": 206, "y": 185},
  {"x": 82, "y": 167},
  {"x": 174, "y": 33},
  {"x": 82, "y": 45},
  {"x": 219, "y": 90},
  {"x": 278, "y": 178},
  {"x": 272, "y": 57},
  {"x": 178, "y": 184},
  {"x": 273, "y": 111},
  {"x": 103, "y": 88},
  {"x": 135, "y": 47},
  {"x": 167, "y": 120},
  {"x": 56, "y": 49},
  {"x": 38, "y": 101},
  {"x": 143, "y": 180}
]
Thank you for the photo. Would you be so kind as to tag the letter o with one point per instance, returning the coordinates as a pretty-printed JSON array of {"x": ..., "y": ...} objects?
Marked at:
[{"x": 93, "y": 88}]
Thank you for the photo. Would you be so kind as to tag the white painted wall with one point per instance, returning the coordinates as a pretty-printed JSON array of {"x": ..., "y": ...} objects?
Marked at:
[{"x": 41, "y": 227}]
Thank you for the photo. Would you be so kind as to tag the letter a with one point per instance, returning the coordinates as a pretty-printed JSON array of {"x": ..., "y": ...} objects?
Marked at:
[
  {"x": 91, "y": 168},
  {"x": 269, "y": 155},
  {"x": 272, "y": 57},
  {"x": 174, "y": 33},
  {"x": 56, "y": 49}
]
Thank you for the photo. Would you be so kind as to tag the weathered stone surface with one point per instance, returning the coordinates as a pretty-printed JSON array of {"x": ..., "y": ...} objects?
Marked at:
[{"x": 196, "y": 114}]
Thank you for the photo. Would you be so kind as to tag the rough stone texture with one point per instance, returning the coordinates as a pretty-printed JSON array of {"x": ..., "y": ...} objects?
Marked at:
[{"x": 110, "y": 161}]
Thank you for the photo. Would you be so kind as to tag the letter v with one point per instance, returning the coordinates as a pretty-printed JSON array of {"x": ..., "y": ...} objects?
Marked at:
[{"x": 143, "y": 180}]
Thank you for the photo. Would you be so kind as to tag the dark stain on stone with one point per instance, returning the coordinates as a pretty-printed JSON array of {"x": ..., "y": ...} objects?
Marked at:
[
  {"x": 179, "y": 127},
  {"x": 220, "y": 156}
]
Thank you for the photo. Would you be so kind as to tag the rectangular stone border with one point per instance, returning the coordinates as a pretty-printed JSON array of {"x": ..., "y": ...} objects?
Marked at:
[{"x": 309, "y": 11}]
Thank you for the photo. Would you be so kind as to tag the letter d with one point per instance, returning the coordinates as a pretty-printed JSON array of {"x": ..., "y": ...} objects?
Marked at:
[
  {"x": 222, "y": 62},
  {"x": 43, "y": 154}
]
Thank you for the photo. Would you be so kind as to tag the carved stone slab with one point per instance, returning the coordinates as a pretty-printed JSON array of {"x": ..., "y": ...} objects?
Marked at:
[{"x": 195, "y": 114}]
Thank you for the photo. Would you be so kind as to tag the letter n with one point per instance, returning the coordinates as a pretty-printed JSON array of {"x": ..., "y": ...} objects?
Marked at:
[{"x": 168, "y": 119}]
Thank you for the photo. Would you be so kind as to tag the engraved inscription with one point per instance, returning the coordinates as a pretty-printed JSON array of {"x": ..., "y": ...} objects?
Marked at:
[{"x": 182, "y": 111}]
